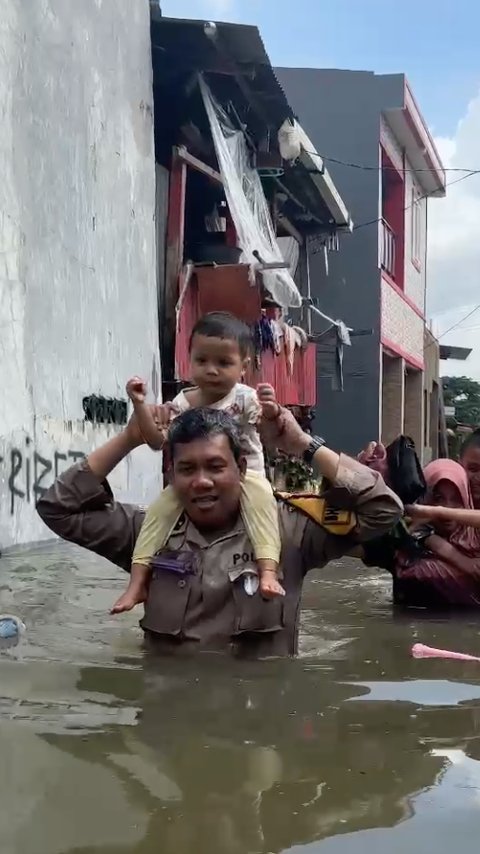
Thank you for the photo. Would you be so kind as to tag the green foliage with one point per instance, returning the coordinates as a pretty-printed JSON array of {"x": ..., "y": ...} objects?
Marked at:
[{"x": 464, "y": 394}]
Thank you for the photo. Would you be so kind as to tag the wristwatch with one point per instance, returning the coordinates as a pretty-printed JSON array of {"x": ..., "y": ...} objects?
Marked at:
[{"x": 308, "y": 455}]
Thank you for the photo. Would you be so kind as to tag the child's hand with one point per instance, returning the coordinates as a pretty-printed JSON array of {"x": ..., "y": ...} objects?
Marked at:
[
  {"x": 268, "y": 401},
  {"x": 151, "y": 422},
  {"x": 136, "y": 389},
  {"x": 270, "y": 586}
]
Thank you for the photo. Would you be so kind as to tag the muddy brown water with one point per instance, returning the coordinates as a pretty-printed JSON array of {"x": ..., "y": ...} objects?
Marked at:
[{"x": 354, "y": 747}]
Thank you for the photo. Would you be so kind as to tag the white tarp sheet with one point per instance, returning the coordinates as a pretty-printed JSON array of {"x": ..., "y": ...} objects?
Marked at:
[{"x": 247, "y": 203}]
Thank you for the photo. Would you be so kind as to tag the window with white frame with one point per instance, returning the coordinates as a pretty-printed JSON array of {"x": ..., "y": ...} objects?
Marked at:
[{"x": 416, "y": 238}]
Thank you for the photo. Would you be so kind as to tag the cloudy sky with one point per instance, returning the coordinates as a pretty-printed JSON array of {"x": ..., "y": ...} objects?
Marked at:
[{"x": 436, "y": 43}]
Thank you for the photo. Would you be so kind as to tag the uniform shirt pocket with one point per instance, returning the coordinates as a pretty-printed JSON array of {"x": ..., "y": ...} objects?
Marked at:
[
  {"x": 253, "y": 613},
  {"x": 169, "y": 593}
]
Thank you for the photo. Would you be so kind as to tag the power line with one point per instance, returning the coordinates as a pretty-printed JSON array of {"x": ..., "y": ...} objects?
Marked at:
[
  {"x": 418, "y": 199},
  {"x": 471, "y": 328},
  {"x": 469, "y": 174},
  {"x": 462, "y": 319},
  {"x": 381, "y": 168}
]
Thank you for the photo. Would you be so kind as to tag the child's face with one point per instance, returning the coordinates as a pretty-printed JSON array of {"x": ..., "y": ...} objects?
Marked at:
[{"x": 216, "y": 365}]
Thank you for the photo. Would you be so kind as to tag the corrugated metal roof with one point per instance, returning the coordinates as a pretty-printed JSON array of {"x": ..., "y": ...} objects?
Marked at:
[
  {"x": 189, "y": 42},
  {"x": 181, "y": 47}
]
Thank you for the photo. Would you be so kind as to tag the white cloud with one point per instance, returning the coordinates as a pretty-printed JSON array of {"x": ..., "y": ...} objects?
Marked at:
[
  {"x": 216, "y": 10},
  {"x": 454, "y": 245},
  {"x": 220, "y": 7}
]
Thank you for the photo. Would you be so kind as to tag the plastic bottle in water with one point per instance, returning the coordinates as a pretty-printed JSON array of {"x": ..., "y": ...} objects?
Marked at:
[{"x": 11, "y": 630}]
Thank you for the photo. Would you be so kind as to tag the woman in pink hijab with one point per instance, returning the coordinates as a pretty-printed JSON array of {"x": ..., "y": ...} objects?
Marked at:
[
  {"x": 450, "y": 497},
  {"x": 448, "y": 574},
  {"x": 443, "y": 570}
]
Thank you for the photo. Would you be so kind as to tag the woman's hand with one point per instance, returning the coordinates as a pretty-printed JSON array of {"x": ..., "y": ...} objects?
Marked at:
[
  {"x": 459, "y": 515},
  {"x": 422, "y": 512},
  {"x": 375, "y": 457}
]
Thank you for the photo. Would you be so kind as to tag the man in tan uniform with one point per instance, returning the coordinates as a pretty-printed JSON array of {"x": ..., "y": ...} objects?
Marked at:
[{"x": 202, "y": 594}]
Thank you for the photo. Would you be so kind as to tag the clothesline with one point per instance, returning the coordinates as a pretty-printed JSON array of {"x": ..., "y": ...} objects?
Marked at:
[{"x": 330, "y": 320}]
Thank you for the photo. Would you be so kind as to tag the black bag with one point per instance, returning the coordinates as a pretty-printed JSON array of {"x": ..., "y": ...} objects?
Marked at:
[
  {"x": 405, "y": 472},
  {"x": 382, "y": 551}
]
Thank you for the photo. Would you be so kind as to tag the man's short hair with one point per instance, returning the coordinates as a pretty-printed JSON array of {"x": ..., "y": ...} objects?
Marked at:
[
  {"x": 204, "y": 423},
  {"x": 221, "y": 324}
]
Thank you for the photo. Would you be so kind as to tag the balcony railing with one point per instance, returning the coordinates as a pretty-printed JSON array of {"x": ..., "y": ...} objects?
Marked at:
[{"x": 387, "y": 248}]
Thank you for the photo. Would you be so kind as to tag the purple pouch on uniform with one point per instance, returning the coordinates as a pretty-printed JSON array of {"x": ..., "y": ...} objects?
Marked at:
[{"x": 181, "y": 563}]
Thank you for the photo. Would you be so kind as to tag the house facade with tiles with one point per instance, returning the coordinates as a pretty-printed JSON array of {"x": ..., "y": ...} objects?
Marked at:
[{"x": 387, "y": 168}]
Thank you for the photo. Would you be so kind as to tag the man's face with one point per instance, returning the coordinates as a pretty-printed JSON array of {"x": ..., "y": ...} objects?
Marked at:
[{"x": 207, "y": 480}]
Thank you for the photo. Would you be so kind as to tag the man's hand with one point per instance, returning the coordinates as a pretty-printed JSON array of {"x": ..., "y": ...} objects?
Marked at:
[
  {"x": 157, "y": 416},
  {"x": 163, "y": 414},
  {"x": 104, "y": 459},
  {"x": 268, "y": 401},
  {"x": 148, "y": 422},
  {"x": 283, "y": 432}
]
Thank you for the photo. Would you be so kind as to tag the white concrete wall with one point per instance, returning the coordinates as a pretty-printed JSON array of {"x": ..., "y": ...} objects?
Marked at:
[{"x": 78, "y": 306}]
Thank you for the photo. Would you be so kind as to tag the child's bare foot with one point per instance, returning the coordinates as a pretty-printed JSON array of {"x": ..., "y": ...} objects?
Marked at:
[
  {"x": 270, "y": 585},
  {"x": 132, "y": 596}
]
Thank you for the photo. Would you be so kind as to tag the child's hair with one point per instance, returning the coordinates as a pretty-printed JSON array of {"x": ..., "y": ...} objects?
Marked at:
[
  {"x": 472, "y": 441},
  {"x": 221, "y": 324}
]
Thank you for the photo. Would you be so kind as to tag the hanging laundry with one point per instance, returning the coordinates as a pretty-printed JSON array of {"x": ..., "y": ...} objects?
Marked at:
[
  {"x": 333, "y": 243},
  {"x": 301, "y": 337},
  {"x": 343, "y": 340},
  {"x": 330, "y": 353},
  {"x": 289, "y": 340},
  {"x": 264, "y": 341},
  {"x": 277, "y": 331}
]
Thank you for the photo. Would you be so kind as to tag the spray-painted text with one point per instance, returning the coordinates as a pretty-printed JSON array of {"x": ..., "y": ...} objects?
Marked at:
[{"x": 28, "y": 473}]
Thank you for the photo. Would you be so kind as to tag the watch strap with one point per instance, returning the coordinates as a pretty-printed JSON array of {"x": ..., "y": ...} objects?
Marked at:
[{"x": 316, "y": 443}]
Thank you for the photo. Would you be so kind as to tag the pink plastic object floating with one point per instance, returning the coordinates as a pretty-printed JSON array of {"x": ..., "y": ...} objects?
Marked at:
[{"x": 419, "y": 650}]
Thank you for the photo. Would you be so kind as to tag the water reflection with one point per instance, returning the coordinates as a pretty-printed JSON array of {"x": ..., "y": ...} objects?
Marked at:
[{"x": 354, "y": 747}]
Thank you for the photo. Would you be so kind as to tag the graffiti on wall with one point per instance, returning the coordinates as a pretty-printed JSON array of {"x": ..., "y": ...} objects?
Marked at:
[
  {"x": 104, "y": 410},
  {"x": 28, "y": 474}
]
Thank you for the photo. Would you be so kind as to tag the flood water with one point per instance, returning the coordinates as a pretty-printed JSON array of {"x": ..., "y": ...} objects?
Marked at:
[{"x": 354, "y": 747}]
